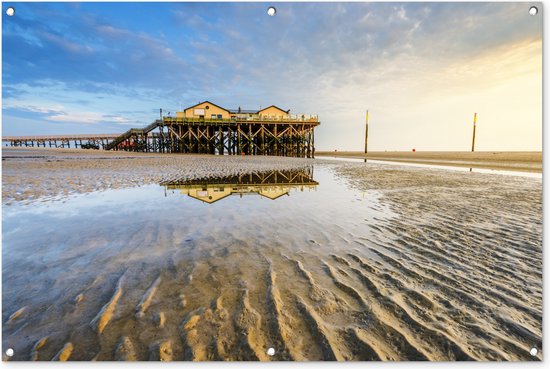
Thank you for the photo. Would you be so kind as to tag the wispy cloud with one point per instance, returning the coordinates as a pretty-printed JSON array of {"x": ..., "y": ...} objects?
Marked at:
[{"x": 404, "y": 61}]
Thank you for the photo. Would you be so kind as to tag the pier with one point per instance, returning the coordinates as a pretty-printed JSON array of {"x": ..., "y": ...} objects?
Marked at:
[
  {"x": 91, "y": 141},
  {"x": 204, "y": 128}
]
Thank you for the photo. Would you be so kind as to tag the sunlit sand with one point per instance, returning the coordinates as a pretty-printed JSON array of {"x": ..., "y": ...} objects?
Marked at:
[{"x": 352, "y": 261}]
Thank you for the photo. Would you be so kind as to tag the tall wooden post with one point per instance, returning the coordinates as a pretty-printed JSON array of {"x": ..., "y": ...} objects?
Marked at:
[
  {"x": 367, "y": 133},
  {"x": 220, "y": 142},
  {"x": 239, "y": 139},
  {"x": 262, "y": 138},
  {"x": 250, "y": 139},
  {"x": 276, "y": 141},
  {"x": 313, "y": 143},
  {"x": 474, "y": 134}
]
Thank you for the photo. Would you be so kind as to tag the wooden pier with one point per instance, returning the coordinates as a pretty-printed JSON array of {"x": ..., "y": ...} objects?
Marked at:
[
  {"x": 222, "y": 136},
  {"x": 91, "y": 141},
  {"x": 270, "y": 131}
]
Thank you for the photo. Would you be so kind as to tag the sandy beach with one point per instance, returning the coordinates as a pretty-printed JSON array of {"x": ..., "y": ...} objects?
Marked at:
[
  {"x": 378, "y": 262},
  {"x": 43, "y": 173},
  {"x": 527, "y": 161}
]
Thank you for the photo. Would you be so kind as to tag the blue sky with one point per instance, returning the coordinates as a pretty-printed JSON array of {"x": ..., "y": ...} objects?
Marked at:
[{"x": 422, "y": 69}]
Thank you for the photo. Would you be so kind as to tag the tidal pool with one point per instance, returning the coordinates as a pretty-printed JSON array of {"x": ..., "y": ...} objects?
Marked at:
[{"x": 331, "y": 262}]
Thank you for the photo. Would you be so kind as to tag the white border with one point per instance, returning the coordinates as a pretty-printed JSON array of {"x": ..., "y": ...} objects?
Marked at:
[{"x": 347, "y": 364}]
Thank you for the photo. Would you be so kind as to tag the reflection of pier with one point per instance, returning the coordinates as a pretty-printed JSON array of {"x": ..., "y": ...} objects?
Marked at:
[{"x": 272, "y": 185}]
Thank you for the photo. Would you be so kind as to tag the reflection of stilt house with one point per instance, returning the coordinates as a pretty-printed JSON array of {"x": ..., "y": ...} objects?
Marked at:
[
  {"x": 271, "y": 185},
  {"x": 211, "y": 129}
]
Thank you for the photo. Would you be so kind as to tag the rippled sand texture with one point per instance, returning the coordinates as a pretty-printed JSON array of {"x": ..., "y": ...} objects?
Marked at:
[
  {"x": 30, "y": 175},
  {"x": 464, "y": 253},
  {"x": 377, "y": 264}
]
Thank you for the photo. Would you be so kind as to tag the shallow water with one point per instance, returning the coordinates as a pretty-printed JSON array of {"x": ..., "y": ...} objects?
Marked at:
[
  {"x": 317, "y": 273},
  {"x": 437, "y": 166}
]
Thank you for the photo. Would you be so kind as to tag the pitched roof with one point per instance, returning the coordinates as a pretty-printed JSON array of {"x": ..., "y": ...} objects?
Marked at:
[
  {"x": 276, "y": 107},
  {"x": 236, "y": 111},
  {"x": 206, "y": 101},
  {"x": 273, "y": 196},
  {"x": 208, "y": 200}
]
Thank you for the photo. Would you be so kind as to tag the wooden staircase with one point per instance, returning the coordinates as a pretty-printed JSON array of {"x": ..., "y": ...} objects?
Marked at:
[{"x": 133, "y": 132}]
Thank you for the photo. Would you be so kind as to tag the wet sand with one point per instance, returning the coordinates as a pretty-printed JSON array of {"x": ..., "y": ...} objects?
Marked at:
[
  {"x": 526, "y": 161},
  {"x": 379, "y": 263},
  {"x": 46, "y": 174}
]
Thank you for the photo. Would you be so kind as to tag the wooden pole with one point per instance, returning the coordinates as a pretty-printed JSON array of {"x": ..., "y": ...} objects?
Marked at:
[
  {"x": 367, "y": 133},
  {"x": 313, "y": 143},
  {"x": 474, "y": 134}
]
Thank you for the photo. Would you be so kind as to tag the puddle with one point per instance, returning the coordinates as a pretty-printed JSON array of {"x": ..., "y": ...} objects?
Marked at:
[
  {"x": 271, "y": 185},
  {"x": 433, "y": 166},
  {"x": 298, "y": 261},
  {"x": 205, "y": 239}
]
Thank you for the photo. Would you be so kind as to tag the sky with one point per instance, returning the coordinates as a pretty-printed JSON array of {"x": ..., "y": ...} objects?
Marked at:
[{"x": 421, "y": 69}]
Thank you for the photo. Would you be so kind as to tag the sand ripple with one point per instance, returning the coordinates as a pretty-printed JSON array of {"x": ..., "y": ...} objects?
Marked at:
[{"x": 443, "y": 267}]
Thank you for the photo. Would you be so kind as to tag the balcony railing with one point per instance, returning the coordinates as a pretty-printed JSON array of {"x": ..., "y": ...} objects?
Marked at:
[{"x": 311, "y": 119}]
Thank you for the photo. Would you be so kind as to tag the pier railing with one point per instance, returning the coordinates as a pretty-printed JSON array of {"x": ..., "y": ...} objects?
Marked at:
[{"x": 314, "y": 120}]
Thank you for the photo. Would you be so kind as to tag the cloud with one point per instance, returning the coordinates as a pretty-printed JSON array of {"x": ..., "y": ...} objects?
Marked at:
[
  {"x": 87, "y": 117},
  {"x": 333, "y": 59},
  {"x": 37, "y": 109}
]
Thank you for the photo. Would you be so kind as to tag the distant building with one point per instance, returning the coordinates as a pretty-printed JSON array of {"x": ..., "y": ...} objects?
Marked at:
[
  {"x": 273, "y": 112},
  {"x": 203, "y": 110},
  {"x": 209, "y": 110}
]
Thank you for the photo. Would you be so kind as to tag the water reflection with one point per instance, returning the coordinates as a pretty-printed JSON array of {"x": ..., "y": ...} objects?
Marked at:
[
  {"x": 511, "y": 172},
  {"x": 271, "y": 184}
]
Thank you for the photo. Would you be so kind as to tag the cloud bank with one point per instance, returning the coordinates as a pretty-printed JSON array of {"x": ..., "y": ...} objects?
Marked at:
[{"x": 422, "y": 69}]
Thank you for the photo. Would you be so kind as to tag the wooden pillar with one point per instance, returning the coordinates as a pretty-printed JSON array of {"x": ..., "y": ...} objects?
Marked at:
[
  {"x": 209, "y": 138},
  {"x": 240, "y": 150},
  {"x": 234, "y": 134},
  {"x": 229, "y": 141},
  {"x": 367, "y": 133},
  {"x": 171, "y": 138},
  {"x": 188, "y": 143},
  {"x": 276, "y": 148},
  {"x": 195, "y": 140},
  {"x": 250, "y": 148},
  {"x": 262, "y": 138},
  {"x": 309, "y": 145},
  {"x": 474, "y": 133},
  {"x": 233, "y": 142},
  {"x": 199, "y": 139},
  {"x": 220, "y": 140},
  {"x": 312, "y": 142}
]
